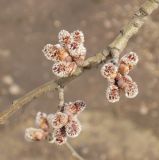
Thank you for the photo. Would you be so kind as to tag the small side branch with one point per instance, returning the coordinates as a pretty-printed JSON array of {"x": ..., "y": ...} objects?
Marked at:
[
  {"x": 61, "y": 96},
  {"x": 74, "y": 152},
  {"x": 61, "y": 103},
  {"x": 113, "y": 50}
]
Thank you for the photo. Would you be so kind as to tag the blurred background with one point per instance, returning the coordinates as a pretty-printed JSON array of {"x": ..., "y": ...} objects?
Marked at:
[{"x": 128, "y": 130}]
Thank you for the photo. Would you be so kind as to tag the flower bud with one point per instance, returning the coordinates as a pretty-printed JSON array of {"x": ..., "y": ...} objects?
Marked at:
[
  {"x": 122, "y": 81},
  {"x": 60, "y": 136},
  {"x": 64, "y": 38},
  {"x": 77, "y": 50},
  {"x": 75, "y": 108},
  {"x": 109, "y": 71},
  {"x": 131, "y": 90},
  {"x": 123, "y": 69},
  {"x": 33, "y": 134},
  {"x": 130, "y": 59},
  {"x": 41, "y": 121},
  {"x": 78, "y": 36},
  {"x": 57, "y": 120},
  {"x": 112, "y": 93},
  {"x": 64, "y": 69},
  {"x": 73, "y": 128},
  {"x": 55, "y": 52}
]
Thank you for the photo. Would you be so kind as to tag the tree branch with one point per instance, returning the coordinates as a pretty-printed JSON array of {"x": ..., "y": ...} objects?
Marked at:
[
  {"x": 113, "y": 51},
  {"x": 74, "y": 152},
  {"x": 61, "y": 103},
  {"x": 61, "y": 96}
]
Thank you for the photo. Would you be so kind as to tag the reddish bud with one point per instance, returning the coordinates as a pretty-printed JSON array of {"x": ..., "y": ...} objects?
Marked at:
[
  {"x": 75, "y": 107},
  {"x": 123, "y": 69},
  {"x": 64, "y": 38},
  {"x": 131, "y": 90},
  {"x": 109, "y": 71},
  {"x": 64, "y": 69},
  {"x": 58, "y": 119},
  {"x": 33, "y": 134},
  {"x": 55, "y": 52},
  {"x": 60, "y": 136},
  {"x": 78, "y": 36},
  {"x": 41, "y": 121},
  {"x": 130, "y": 59},
  {"x": 112, "y": 93},
  {"x": 73, "y": 128}
]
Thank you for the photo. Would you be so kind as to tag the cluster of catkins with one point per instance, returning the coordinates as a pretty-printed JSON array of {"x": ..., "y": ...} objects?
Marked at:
[
  {"x": 55, "y": 128},
  {"x": 68, "y": 54},
  {"x": 118, "y": 78}
]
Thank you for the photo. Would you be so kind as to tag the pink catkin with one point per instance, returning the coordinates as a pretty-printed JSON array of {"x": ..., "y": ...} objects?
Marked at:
[
  {"x": 73, "y": 128},
  {"x": 78, "y": 36},
  {"x": 60, "y": 136},
  {"x": 109, "y": 71},
  {"x": 131, "y": 90},
  {"x": 112, "y": 94},
  {"x": 58, "y": 120},
  {"x": 56, "y": 127},
  {"x": 64, "y": 69},
  {"x": 74, "y": 108},
  {"x": 118, "y": 78},
  {"x": 130, "y": 59},
  {"x": 41, "y": 121},
  {"x": 64, "y": 38},
  {"x": 34, "y": 134},
  {"x": 67, "y": 55}
]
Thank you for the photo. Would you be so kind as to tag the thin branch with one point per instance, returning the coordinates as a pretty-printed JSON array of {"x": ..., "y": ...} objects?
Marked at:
[
  {"x": 61, "y": 96},
  {"x": 113, "y": 50},
  {"x": 61, "y": 103},
  {"x": 74, "y": 152}
]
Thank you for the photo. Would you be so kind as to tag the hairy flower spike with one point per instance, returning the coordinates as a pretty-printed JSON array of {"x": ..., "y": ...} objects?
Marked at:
[
  {"x": 80, "y": 106},
  {"x": 33, "y": 134},
  {"x": 64, "y": 38},
  {"x": 75, "y": 107},
  {"x": 78, "y": 36},
  {"x": 73, "y": 128},
  {"x": 64, "y": 69},
  {"x": 55, "y": 128},
  {"x": 55, "y": 53},
  {"x": 48, "y": 51},
  {"x": 109, "y": 71},
  {"x": 112, "y": 94},
  {"x": 60, "y": 136},
  {"x": 67, "y": 55},
  {"x": 127, "y": 79},
  {"x": 77, "y": 50},
  {"x": 130, "y": 59},
  {"x": 118, "y": 78},
  {"x": 58, "y": 120},
  {"x": 131, "y": 90},
  {"x": 41, "y": 121}
]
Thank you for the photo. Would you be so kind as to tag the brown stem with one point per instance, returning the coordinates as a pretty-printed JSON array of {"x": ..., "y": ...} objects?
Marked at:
[{"x": 113, "y": 50}]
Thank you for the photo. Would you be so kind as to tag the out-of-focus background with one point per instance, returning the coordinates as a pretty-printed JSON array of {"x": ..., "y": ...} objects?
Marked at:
[{"x": 128, "y": 130}]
